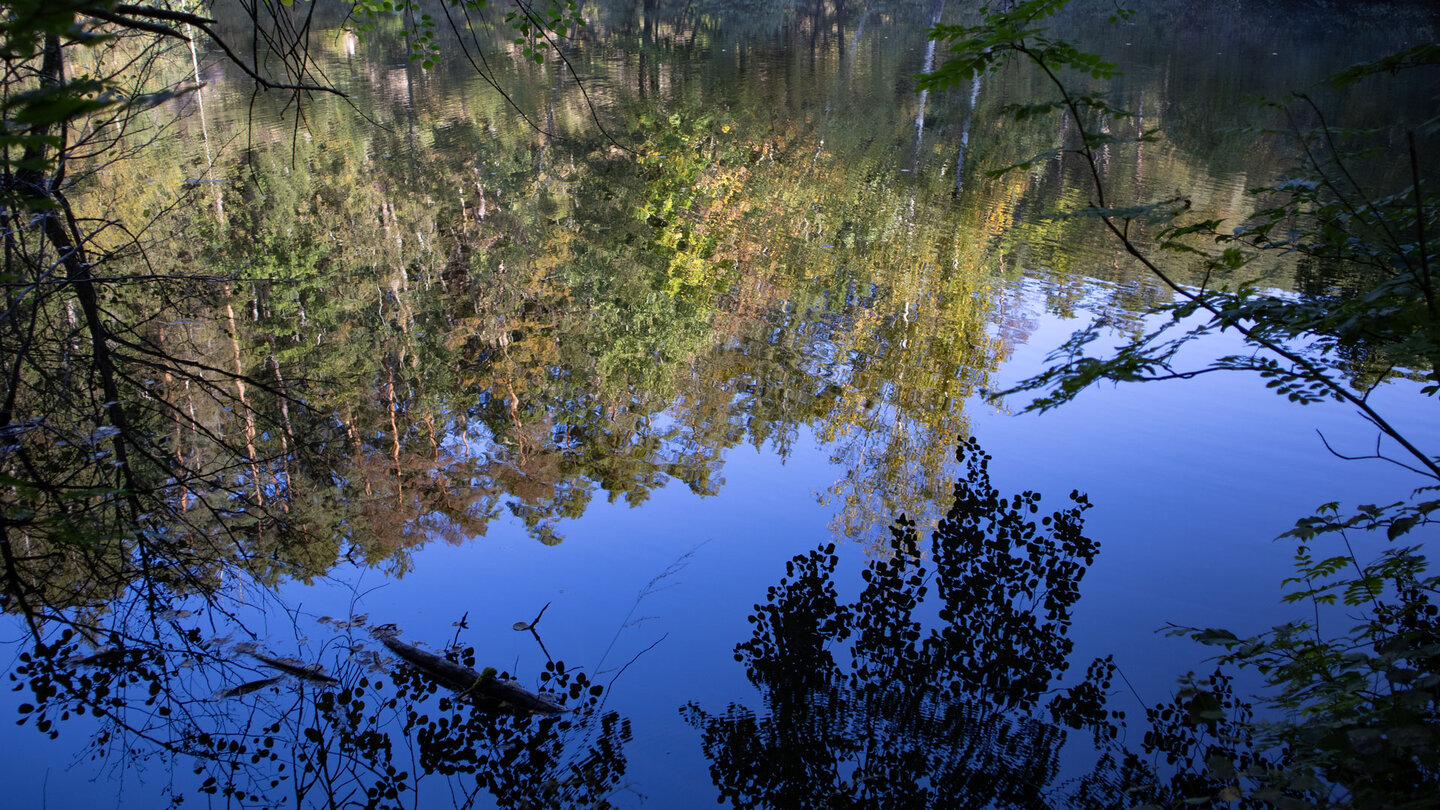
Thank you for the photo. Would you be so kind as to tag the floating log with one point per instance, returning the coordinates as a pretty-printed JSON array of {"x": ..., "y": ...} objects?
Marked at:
[{"x": 466, "y": 682}]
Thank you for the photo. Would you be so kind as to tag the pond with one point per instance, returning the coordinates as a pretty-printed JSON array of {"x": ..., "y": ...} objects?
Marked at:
[{"x": 638, "y": 383}]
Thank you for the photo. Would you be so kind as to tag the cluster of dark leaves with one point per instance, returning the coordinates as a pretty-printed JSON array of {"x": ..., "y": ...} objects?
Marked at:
[
  {"x": 892, "y": 700},
  {"x": 367, "y": 738}
]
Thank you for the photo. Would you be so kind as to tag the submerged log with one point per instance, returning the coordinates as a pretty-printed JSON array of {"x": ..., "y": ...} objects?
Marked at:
[
  {"x": 289, "y": 666},
  {"x": 481, "y": 687},
  {"x": 247, "y": 688}
]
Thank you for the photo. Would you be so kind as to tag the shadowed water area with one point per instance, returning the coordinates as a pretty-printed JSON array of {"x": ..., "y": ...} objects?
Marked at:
[{"x": 622, "y": 437}]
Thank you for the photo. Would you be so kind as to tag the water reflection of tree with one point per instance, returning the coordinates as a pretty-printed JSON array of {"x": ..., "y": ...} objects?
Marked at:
[
  {"x": 517, "y": 362},
  {"x": 894, "y": 701},
  {"x": 267, "y": 733},
  {"x": 411, "y": 346}
]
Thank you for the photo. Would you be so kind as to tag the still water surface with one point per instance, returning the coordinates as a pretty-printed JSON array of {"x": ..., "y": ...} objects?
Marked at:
[{"x": 627, "y": 382}]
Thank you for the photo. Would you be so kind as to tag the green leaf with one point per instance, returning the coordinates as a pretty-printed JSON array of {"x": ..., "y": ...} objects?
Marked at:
[
  {"x": 1400, "y": 526},
  {"x": 1215, "y": 637}
]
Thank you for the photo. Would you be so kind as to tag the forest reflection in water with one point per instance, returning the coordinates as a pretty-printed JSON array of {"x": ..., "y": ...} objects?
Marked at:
[
  {"x": 373, "y": 338},
  {"x": 944, "y": 681}
]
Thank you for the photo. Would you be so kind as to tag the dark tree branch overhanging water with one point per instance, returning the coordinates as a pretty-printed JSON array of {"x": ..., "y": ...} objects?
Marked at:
[
  {"x": 1367, "y": 700},
  {"x": 128, "y": 509},
  {"x": 80, "y": 79}
]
